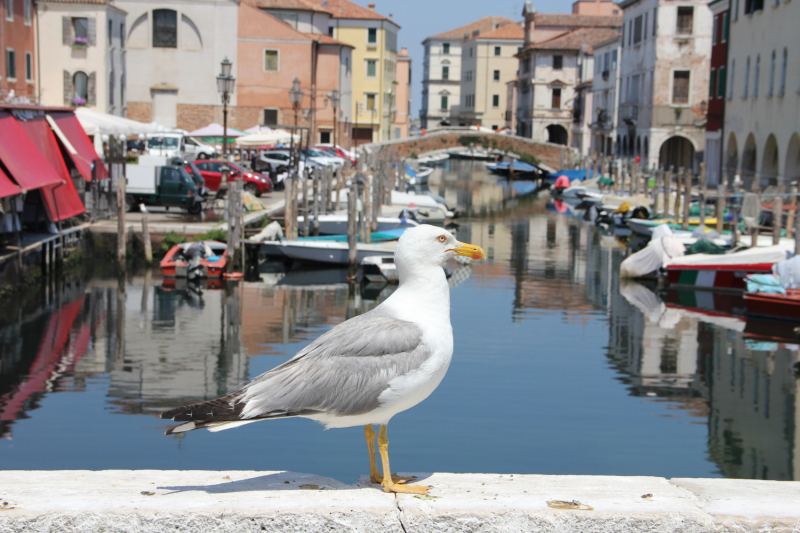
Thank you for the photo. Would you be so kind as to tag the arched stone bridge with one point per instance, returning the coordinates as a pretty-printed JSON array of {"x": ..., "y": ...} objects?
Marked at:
[{"x": 552, "y": 155}]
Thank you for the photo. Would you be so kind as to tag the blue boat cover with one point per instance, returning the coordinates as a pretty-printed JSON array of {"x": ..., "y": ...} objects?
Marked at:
[{"x": 577, "y": 174}]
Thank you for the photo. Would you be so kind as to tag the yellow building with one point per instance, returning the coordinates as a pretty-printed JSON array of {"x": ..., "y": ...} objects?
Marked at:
[{"x": 374, "y": 38}]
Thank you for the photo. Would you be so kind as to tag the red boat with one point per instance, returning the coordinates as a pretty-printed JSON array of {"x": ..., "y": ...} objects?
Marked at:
[
  {"x": 775, "y": 306},
  {"x": 212, "y": 262},
  {"x": 722, "y": 272}
]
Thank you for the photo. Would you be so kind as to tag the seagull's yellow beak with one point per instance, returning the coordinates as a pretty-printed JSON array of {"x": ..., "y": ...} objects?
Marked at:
[{"x": 469, "y": 250}]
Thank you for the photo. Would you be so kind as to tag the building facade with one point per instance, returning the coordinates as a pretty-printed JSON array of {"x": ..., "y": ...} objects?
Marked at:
[
  {"x": 488, "y": 63},
  {"x": 84, "y": 59},
  {"x": 174, "y": 52},
  {"x": 720, "y": 10},
  {"x": 374, "y": 66},
  {"x": 18, "y": 68},
  {"x": 762, "y": 102},
  {"x": 441, "y": 71},
  {"x": 665, "y": 53},
  {"x": 582, "y": 106},
  {"x": 556, "y": 59},
  {"x": 402, "y": 120},
  {"x": 605, "y": 83}
]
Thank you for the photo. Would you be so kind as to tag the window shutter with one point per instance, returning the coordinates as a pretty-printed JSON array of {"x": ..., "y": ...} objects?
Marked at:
[
  {"x": 67, "y": 87},
  {"x": 92, "y": 31},
  {"x": 91, "y": 91},
  {"x": 66, "y": 30}
]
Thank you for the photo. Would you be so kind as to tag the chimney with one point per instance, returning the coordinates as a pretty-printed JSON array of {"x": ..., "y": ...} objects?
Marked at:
[
  {"x": 403, "y": 51},
  {"x": 391, "y": 17},
  {"x": 371, "y": 6}
]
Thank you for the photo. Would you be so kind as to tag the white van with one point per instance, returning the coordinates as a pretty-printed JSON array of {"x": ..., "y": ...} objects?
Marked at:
[{"x": 176, "y": 145}]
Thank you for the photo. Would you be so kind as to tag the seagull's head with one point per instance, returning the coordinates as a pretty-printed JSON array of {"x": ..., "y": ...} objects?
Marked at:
[{"x": 427, "y": 246}]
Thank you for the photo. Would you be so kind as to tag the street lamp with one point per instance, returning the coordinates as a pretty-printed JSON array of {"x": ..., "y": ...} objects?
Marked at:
[
  {"x": 225, "y": 85},
  {"x": 296, "y": 97},
  {"x": 335, "y": 102}
]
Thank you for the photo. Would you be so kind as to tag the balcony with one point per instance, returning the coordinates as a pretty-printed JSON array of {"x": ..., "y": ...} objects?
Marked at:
[
  {"x": 629, "y": 112},
  {"x": 603, "y": 119}
]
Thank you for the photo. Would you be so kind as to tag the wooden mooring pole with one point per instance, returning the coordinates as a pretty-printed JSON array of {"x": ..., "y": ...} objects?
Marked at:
[
  {"x": 148, "y": 247},
  {"x": 121, "y": 233}
]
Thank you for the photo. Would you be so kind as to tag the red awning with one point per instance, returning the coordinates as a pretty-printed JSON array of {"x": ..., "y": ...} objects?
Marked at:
[
  {"x": 22, "y": 159},
  {"x": 73, "y": 131},
  {"x": 7, "y": 187},
  {"x": 62, "y": 201}
]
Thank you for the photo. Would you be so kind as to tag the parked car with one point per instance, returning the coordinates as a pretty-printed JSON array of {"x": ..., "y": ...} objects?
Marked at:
[
  {"x": 193, "y": 172},
  {"x": 170, "y": 144},
  {"x": 323, "y": 157},
  {"x": 167, "y": 186},
  {"x": 254, "y": 183},
  {"x": 336, "y": 151},
  {"x": 349, "y": 154}
]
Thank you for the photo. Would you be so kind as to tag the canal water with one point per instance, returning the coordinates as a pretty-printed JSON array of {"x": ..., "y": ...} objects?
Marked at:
[{"x": 558, "y": 367}]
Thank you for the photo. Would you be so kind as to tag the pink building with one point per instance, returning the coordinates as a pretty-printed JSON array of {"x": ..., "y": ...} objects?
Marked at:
[{"x": 403, "y": 98}]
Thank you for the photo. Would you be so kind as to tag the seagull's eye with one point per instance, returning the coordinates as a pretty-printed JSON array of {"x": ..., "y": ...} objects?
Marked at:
[{"x": 442, "y": 238}]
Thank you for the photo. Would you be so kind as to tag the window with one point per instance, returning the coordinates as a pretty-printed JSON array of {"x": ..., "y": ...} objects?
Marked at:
[
  {"x": 80, "y": 30},
  {"x": 443, "y": 104},
  {"x": 655, "y": 25},
  {"x": 165, "y": 28},
  {"x": 28, "y": 66},
  {"x": 26, "y": 5},
  {"x": 714, "y": 30},
  {"x": 519, "y": 49},
  {"x": 10, "y": 10},
  {"x": 324, "y": 137},
  {"x": 496, "y": 75},
  {"x": 80, "y": 87},
  {"x": 756, "y": 75},
  {"x": 11, "y": 64},
  {"x": 685, "y": 20},
  {"x": 270, "y": 117},
  {"x": 735, "y": 9},
  {"x": 751, "y": 6},
  {"x": 497, "y": 50},
  {"x": 330, "y": 31},
  {"x": 445, "y": 48},
  {"x": 730, "y": 81},
  {"x": 606, "y": 63},
  {"x": 370, "y": 102},
  {"x": 782, "y": 82},
  {"x": 637, "y": 30},
  {"x": 711, "y": 82},
  {"x": 558, "y": 62},
  {"x": 746, "y": 90},
  {"x": 771, "y": 75},
  {"x": 613, "y": 60},
  {"x": 555, "y": 102},
  {"x": 644, "y": 28},
  {"x": 271, "y": 63},
  {"x": 680, "y": 87},
  {"x": 630, "y": 32},
  {"x": 445, "y": 72},
  {"x": 111, "y": 88},
  {"x": 470, "y": 52},
  {"x": 725, "y": 24},
  {"x": 495, "y": 100},
  {"x": 721, "y": 83},
  {"x": 372, "y": 68},
  {"x": 110, "y": 32},
  {"x": 372, "y": 36},
  {"x": 122, "y": 90},
  {"x": 122, "y": 35}
]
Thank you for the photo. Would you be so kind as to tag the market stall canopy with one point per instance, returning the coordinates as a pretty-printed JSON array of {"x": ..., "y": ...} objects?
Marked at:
[
  {"x": 266, "y": 139},
  {"x": 258, "y": 129},
  {"x": 215, "y": 130},
  {"x": 24, "y": 161},
  {"x": 7, "y": 187},
  {"x": 84, "y": 153},
  {"x": 94, "y": 122}
]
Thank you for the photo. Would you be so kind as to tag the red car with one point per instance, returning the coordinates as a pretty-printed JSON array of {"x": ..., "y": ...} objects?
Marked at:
[{"x": 254, "y": 183}]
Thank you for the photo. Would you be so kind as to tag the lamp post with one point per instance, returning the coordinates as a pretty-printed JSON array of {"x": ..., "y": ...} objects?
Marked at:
[
  {"x": 296, "y": 97},
  {"x": 225, "y": 85},
  {"x": 335, "y": 102}
]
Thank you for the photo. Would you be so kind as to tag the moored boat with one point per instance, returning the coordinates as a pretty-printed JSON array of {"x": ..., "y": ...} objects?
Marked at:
[
  {"x": 774, "y": 306},
  {"x": 201, "y": 259},
  {"x": 723, "y": 272}
]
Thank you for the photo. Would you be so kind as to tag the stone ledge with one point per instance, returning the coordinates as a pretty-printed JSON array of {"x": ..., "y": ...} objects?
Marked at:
[{"x": 204, "y": 501}]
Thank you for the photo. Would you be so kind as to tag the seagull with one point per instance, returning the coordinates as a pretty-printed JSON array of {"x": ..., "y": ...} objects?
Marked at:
[{"x": 365, "y": 370}]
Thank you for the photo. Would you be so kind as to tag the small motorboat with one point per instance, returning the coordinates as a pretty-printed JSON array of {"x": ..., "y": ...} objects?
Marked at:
[
  {"x": 332, "y": 252},
  {"x": 434, "y": 158},
  {"x": 419, "y": 176},
  {"x": 336, "y": 224},
  {"x": 192, "y": 260}
]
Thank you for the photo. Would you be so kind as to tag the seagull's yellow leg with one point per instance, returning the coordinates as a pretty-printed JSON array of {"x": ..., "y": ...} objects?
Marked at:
[
  {"x": 374, "y": 475},
  {"x": 389, "y": 484}
]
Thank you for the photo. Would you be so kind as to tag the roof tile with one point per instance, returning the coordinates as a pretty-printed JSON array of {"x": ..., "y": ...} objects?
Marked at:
[
  {"x": 485, "y": 24},
  {"x": 576, "y": 21},
  {"x": 574, "y": 39},
  {"x": 344, "y": 9},
  {"x": 506, "y": 31}
]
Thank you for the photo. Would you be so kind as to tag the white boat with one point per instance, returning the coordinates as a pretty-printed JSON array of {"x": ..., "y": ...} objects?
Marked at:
[
  {"x": 380, "y": 268},
  {"x": 336, "y": 224},
  {"x": 419, "y": 176},
  {"x": 434, "y": 158},
  {"x": 331, "y": 252}
]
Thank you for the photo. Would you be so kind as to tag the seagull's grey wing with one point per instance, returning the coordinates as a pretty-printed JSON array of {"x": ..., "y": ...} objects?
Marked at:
[{"x": 342, "y": 373}]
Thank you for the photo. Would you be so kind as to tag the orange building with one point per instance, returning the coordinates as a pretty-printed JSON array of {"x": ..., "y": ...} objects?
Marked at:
[
  {"x": 18, "y": 46},
  {"x": 597, "y": 8}
]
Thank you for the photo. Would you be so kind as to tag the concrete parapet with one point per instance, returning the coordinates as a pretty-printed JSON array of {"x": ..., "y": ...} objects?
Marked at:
[{"x": 204, "y": 501}]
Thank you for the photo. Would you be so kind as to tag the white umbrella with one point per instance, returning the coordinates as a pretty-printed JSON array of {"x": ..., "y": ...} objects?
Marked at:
[
  {"x": 94, "y": 122},
  {"x": 214, "y": 130},
  {"x": 258, "y": 129},
  {"x": 267, "y": 138}
]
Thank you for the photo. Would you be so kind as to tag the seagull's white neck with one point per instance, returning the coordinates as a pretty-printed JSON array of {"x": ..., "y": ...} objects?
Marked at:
[{"x": 423, "y": 296}]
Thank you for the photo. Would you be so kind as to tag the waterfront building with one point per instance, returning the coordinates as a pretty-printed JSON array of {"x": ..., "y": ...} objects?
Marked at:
[
  {"x": 762, "y": 101},
  {"x": 720, "y": 10},
  {"x": 83, "y": 63},
  {"x": 374, "y": 57},
  {"x": 553, "y": 62},
  {"x": 173, "y": 53},
  {"x": 582, "y": 106},
  {"x": 665, "y": 55},
  {"x": 605, "y": 95},
  {"x": 403, "y": 115},
  {"x": 18, "y": 68},
  {"x": 283, "y": 40},
  {"x": 441, "y": 71},
  {"x": 488, "y": 62}
]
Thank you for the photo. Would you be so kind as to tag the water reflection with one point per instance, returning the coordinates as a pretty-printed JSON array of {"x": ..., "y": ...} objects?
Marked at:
[{"x": 550, "y": 308}]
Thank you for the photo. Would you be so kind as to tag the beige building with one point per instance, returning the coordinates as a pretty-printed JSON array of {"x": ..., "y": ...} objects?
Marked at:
[
  {"x": 402, "y": 119},
  {"x": 83, "y": 63},
  {"x": 488, "y": 63}
]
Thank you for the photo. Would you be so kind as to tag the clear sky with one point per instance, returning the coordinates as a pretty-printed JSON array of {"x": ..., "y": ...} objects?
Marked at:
[{"x": 422, "y": 18}]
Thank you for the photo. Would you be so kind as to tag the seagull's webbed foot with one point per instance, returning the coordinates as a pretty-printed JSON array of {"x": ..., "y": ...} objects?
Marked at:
[
  {"x": 405, "y": 489},
  {"x": 393, "y": 482},
  {"x": 395, "y": 479}
]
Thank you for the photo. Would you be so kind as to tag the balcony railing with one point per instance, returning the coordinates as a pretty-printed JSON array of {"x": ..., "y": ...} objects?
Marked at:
[{"x": 629, "y": 112}]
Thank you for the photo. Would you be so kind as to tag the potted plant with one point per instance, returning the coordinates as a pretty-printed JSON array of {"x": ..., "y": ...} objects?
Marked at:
[
  {"x": 80, "y": 42},
  {"x": 78, "y": 101}
]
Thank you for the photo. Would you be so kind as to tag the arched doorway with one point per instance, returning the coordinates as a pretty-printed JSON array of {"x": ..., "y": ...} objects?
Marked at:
[
  {"x": 731, "y": 159},
  {"x": 677, "y": 152},
  {"x": 749, "y": 157},
  {"x": 791, "y": 169},
  {"x": 769, "y": 162},
  {"x": 557, "y": 134}
]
